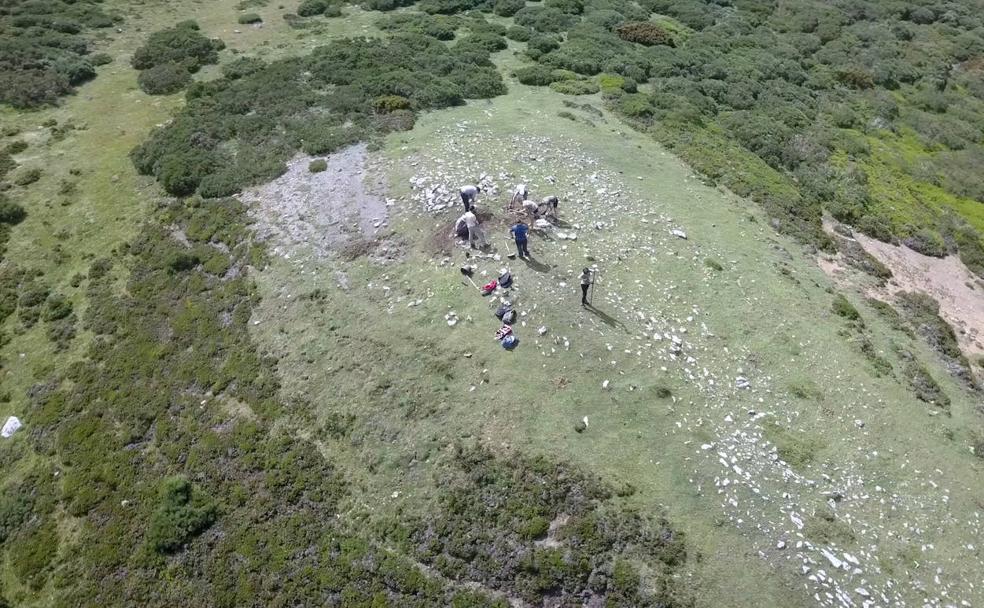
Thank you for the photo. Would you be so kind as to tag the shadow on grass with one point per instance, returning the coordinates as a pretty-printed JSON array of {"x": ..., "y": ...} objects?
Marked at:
[
  {"x": 535, "y": 265},
  {"x": 604, "y": 317}
]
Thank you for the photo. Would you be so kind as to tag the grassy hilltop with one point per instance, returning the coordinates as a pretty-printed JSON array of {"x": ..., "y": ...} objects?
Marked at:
[{"x": 249, "y": 370}]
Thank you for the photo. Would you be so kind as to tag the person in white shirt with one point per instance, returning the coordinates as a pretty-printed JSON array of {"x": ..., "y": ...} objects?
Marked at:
[
  {"x": 475, "y": 232},
  {"x": 549, "y": 205},
  {"x": 519, "y": 195},
  {"x": 469, "y": 194}
]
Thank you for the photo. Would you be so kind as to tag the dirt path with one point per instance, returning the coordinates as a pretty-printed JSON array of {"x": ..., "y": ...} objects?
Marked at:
[{"x": 305, "y": 213}]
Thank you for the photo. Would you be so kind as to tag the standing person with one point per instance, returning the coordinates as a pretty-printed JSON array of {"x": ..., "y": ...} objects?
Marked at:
[
  {"x": 469, "y": 194},
  {"x": 475, "y": 232},
  {"x": 519, "y": 232},
  {"x": 585, "y": 284}
]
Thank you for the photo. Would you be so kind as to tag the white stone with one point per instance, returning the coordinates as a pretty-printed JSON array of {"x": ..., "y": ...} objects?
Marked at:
[{"x": 10, "y": 427}]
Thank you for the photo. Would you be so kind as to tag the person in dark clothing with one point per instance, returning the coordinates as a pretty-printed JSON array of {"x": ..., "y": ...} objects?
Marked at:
[
  {"x": 585, "y": 284},
  {"x": 519, "y": 233}
]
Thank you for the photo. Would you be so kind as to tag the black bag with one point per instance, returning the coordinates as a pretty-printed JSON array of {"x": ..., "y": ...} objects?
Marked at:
[
  {"x": 502, "y": 311},
  {"x": 505, "y": 281}
]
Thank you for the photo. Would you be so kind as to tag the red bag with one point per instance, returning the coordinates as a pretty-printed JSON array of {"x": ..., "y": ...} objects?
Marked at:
[{"x": 489, "y": 287}]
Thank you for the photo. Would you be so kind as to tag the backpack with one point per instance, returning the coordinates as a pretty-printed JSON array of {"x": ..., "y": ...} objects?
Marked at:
[
  {"x": 489, "y": 287},
  {"x": 505, "y": 281},
  {"x": 509, "y": 318},
  {"x": 510, "y": 342},
  {"x": 502, "y": 311}
]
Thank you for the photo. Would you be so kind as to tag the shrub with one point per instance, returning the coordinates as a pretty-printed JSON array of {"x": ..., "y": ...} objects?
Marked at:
[
  {"x": 508, "y": 8},
  {"x": 11, "y": 213},
  {"x": 244, "y": 66},
  {"x": 235, "y": 132},
  {"x": 636, "y": 105},
  {"x": 57, "y": 307},
  {"x": 485, "y": 41},
  {"x": 575, "y": 87},
  {"x": 182, "y": 44},
  {"x": 713, "y": 264},
  {"x": 922, "y": 15},
  {"x": 856, "y": 78},
  {"x": 248, "y": 18},
  {"x": 310, "y": 8},
  {"x": 385, "y": 104},
  {"x": 183, "y": 262},
  {"x": 43, "y": 49},
  {"x": 333, "y": 10},
  {"x": 27, "y": 176},
  {"x": 451, "y": 7},
  {"x": 843, "y": 308},
  {"x": 441, "y": 27},
  {"x": 100, "y": 59},
  {"x": 519, "y": 34},
  {"x": 926, "y": 242},
  {"x": 571, "y": 7},
  {"x": 164, "y": 79},
  {"x": 540, "y": 44},
  {"x": 544, "y": 19},
  {"x": 318, "y": 165},
  {"x": 181, "y": 515},
  {"x": 16, "y": 147},
  {"x": 385, "y": 5},
  {"x": 607, "y": 19},
  {"x": 644, "y": 32},
  {"x": 534, "y": 75}
]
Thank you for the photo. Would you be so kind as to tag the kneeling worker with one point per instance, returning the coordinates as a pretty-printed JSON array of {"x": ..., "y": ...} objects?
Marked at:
[{"x": 475, "y": 232}]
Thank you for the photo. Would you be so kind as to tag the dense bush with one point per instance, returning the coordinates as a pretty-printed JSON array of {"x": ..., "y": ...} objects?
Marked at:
[
  {"x": 572, "y": 7},
  {"x": 590, "y": 49},
  {"x": 26, "y": 176},
  {"x": 318, "y": 165},
  {"x": 10, "y": 212},
  {"x": 249, "y": 18},
  {"x": 310, "y": 8},
  {"x": 43, "y": 49},
  {"x": 644, "y": 32},
  {"x": 540, "y": 44},
  {"x": 164, "y": 79},
  {"x": 441, "y": 27},
  {"x": 544, "y": 19},
  {"x": 508, "y": 8},
  {"x": 494, "y": 515},
  {"x": 385, "y": 5},
  {"x": 519, "y": 34},
  {"x": 535, "y": 75},
  {"x": 575, "y": 87},
  {"x": 182, "y": 44},
  {"x": 842, "y": 307},
  {"x": 270, "y": 113},
  {"x": 926, "y": 242},
  {"x": 452, "y": 7},
  {"x": 180, "y": 515}
]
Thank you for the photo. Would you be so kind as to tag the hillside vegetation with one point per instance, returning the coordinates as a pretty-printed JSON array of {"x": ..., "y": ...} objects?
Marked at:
[{"x": 213, "y": 419}]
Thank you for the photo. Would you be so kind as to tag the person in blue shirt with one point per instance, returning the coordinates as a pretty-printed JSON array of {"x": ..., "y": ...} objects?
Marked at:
[{"x": 519, "y": 232}]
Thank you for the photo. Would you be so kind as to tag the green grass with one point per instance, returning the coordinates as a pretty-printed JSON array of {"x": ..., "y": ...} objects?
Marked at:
[
  {"x": 388, "y": 387},
  {"x": 405, "y": 376}
]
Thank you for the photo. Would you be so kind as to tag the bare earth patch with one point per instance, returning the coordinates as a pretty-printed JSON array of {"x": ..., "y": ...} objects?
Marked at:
[
  {"x": 959, "y": 293},
  {"x": 317, "y": 214}
]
